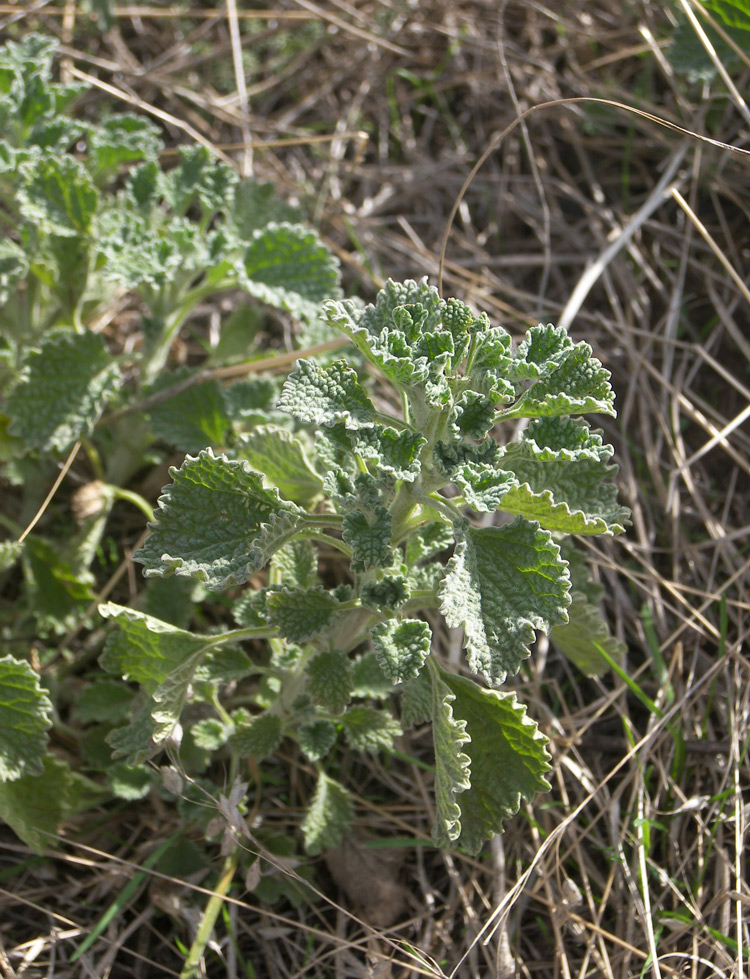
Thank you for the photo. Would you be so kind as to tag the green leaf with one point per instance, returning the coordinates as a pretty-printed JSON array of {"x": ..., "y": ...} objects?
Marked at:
[
  {"x": 501, "y": 584},
  {"x": 140, "y": 739},
  {"x": 368, "y": 679},
  {"x": 25, "y": 718},
  {"x": 35, "y": 805},
  {"x": 297, "y": 564},
  {"x": 580, "y": 384},
  {"x": 300, "y": 613},
  {"x": 104, "y": 700},
  {"x": 427, "y": 541},
  {"x": 145, "y": 649},
  {"x": 200, "y": 176},
  {"x": 395, "y": 452},
  {"x": 119, "y": 140},
  {"x": 369, "y": 729},
  {"x": 317, "y": 738},
  {"x": 131, "y": 782},
  {"x": 484, "y": 487},
  {"x": 369, "y": 537},
  {"x": 390, "y": 592},
  {"x": 58, "y": 595},
  {"x": 258, "y": 739},
  {"x": 207, "y": 521},
  {"x": 565, "y": 480},
  {"x": 282, "y": 459},
  {"x": 401, "y": 647},
  {"x": 256, "y": 205},
  {"x": 210, "y": 733},
  {"x": 474, "y": 414},
  {"x": 10, "y": 552},
  {"x": 63, "y": 390},
  {"x": 542, "y": 352},
  {"x": 579, "y": 637},
  {"x": 327, "y": 396},
  {"x": 328, "y": 816},
  {"x": 329, "y": 680},
  {"x": 192, "y": 419},
  {"x": 289, "y": 267},
  {"x": 452, "y": 764},
  {"x": 508, "y": 761},
  {"x": 416, "y": 701},
  {"x": 58, "y": 195}
]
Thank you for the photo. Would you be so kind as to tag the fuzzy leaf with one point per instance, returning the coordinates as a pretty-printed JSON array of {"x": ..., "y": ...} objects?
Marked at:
[
  {"x": 452, "y": 764},
  {"x": 35, "y": 805},
  {"x": 118, "y": 140},
  {"x": 427, "y": 541},
  {"x": 369, "y": 729},
  {"x": 579, "y": 385},
  {"x": 63, "y": 391},
  {"x": 210, "y": 733},
  {"x": 297, "y": 564},
  {"x": 329, "y": 680},
  {"x": 542, "y": 352},
  {"x": 501, "y": 584},
  {"x": 299, "y": 613},
  {"x": 289, "y": 267},
  {"x": 139, "y": 740},
  {"x": 201, "y": 177},
  {"x": 25, "y": 718},
  {"x": 416, "y": 701},
  {"x": 207, "y": 521},
  {"x": 131, "y": 782},
  {"x": 256, "y": 205},
  {"x": 192, "y": 419},
  {"x": 484, "y": 487},
  {"x": 328, "y": 816},
  {"x": 104, "y": 700},
  {"x": 258, "y": 739},
  {"x": 368, "y": 679},
  {"x": 568, "y": 485},
  {"x": 317, "y": 738},
  {"x": 391, "y": 592},
  {"x": 282, "y": 459},
  {"x": 395, "y": 452},
  {"x": 369, "y": 538},
  {"x": 145, "y": 649},
  {"x": 327, "y": 396},
  {"x": 58, "y": 195},
  {"x": 579, "y": 637},
  {"x": 508, "y": 761},
  {"x": 401, "y": 647}
]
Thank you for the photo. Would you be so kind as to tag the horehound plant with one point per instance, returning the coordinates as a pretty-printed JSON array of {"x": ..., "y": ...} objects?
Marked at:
[{"x": 401, "y": 495}]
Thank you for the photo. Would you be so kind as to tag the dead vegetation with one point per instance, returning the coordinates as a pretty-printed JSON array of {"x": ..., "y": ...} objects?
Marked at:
[{"x": 372, "y": 114}]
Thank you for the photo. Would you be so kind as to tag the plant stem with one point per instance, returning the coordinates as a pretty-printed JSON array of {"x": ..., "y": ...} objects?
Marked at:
[{"x": 190, "y": 969}]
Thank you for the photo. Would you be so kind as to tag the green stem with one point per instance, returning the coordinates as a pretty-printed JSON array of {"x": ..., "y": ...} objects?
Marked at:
[{"x": 191, "y": 968}]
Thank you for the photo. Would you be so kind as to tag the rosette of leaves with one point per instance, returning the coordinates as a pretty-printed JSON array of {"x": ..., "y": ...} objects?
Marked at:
[{"x": 400, "y": 493}]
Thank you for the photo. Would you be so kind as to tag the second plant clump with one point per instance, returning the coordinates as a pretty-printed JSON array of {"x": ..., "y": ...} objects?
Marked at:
[{"x": 382, "y": 489}]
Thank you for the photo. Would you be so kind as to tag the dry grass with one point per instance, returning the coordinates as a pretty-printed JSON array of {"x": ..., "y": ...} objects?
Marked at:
[{"x": 634, "y": 864}]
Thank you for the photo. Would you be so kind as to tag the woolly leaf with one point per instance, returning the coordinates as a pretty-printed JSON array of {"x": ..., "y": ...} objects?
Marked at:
[
  {"x": 368, "y": 729},
  {"x": 63, "y": 390},
  {"x": 210, "y": 733},
  {"x": 327, "y": 396},
  {"x": 329, "y": 680},
  {"x": 145, "y": 649},
  {"x": 389, "y": 593},
  {"x": 118, "y": 140},
  {"x": 317, "y": 738},
  {"x": 508, "y": 761},
  {"x": 282, "y": 459},
  {"x": 416, "y": 700},
  {"x": 299, "y": 613},
  {"x": 368, "y": 679},
  {"x": 25, "y": 719},
  {"x": 328, "y": 816},
  {"x": 289, "y": 267},
  {"x": 427, "y": 541},
  {"x": 104, "y": 700},
  {"x": 141, "y": 739},
  {"x": 395, "y": 452},
  {"x": 401, "y": 647},
  {"x": 256, "y": 205},
  {"x": 258, "y": 739},
  {"x": 35, "y": 805},
  {"x": 452, "y": 764},
  {"x": 580, "y": 384},
  {"x": 501, "y": 584},
  {"x": 542, "y": 352},
  {"x": 207, "y": 520},
  {"x": 57, "y": 194},
  {"x": 579, "y": 637},
  {"x": 200, "y": 176},
  {"x": 369, "y": 538},
  {"x": 484, "y": 487},
  {"x": 192, "y": 419},
  {"x": 297, "y": 564},
  {"x": 131, "y": 782}
]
